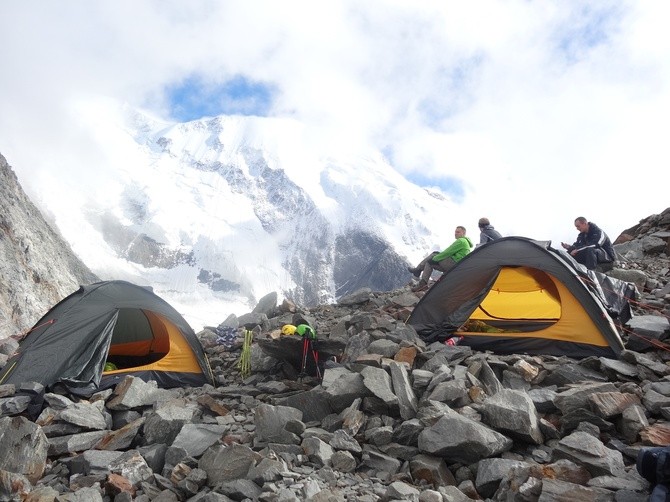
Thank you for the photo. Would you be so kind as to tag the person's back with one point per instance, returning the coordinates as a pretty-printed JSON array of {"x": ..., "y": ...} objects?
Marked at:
[
  {"x": 487, "y": 232},
  {"x": 596, "y": 236}
]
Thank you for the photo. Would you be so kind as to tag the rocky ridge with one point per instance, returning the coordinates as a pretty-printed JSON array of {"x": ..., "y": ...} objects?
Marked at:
[
  {"x": 392, "y": 419},
  {"x": 37, "y": 266}
]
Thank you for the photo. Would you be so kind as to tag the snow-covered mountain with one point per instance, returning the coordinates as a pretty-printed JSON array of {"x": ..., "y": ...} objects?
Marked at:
[{"x": 218, "y": 212}]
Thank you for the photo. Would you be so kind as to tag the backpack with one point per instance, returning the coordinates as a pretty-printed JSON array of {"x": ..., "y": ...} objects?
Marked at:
[{"x": 653, "y": 464}]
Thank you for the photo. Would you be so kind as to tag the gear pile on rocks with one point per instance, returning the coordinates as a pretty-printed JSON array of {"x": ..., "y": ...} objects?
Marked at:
[{"x": 392, "y": 418}]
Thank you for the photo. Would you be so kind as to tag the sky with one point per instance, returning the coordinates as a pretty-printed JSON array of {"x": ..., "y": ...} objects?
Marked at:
[{"x": 528, "y": 112}]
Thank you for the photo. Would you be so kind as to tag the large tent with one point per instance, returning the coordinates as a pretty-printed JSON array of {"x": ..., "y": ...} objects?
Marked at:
[
  {"x": 517, "y": 295},
  {"x": 113, "y": 324}
]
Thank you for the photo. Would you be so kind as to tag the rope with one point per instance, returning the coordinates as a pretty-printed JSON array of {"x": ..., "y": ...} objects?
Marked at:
[
  {"x": 643, "y": 306},
  {"x": 651, "y": 341},
  {"x": 23, "y": 334},
  {"x": 244, "y": 364}
]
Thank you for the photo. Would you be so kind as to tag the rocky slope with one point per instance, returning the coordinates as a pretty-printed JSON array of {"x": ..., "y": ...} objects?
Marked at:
[
  {"x": 37, "y": 266},
  {"x": 394, "y": 419}
]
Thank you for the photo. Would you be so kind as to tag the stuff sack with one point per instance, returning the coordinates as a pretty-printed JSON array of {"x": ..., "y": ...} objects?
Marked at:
[{"x": 653, "y": 464}]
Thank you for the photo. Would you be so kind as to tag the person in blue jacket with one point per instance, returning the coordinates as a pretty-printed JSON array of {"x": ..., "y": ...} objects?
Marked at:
[{"x": 592, "y": 247}]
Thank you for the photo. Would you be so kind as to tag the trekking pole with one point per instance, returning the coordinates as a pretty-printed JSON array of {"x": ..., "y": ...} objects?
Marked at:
[
  {"x": 305, "y": 346},
  {"x": 315, "y": 355}
]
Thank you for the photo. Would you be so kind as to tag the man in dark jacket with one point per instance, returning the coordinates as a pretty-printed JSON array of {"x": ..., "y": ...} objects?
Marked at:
[
  {"x": 486, "y": 232},
  {"x": 592, "y": 245}
]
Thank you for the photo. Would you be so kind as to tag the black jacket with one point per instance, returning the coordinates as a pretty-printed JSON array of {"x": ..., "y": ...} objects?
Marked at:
[{"x": 594, "y": 237}]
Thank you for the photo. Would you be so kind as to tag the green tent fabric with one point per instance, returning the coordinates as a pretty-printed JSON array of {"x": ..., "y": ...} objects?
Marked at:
[{"x": 113, "y": 323}]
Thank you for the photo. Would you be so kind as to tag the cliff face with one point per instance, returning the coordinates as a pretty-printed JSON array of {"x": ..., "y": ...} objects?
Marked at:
[{"x": 37, "y": 266}]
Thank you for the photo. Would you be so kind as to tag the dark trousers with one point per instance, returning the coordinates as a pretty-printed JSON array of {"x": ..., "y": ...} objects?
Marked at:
[{"x": 590, "y": 257}]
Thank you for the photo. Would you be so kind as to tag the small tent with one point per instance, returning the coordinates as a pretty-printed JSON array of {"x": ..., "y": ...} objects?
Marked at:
[
  {"x": 517, "y": 295},
  {"x": 112, "y": 324}
]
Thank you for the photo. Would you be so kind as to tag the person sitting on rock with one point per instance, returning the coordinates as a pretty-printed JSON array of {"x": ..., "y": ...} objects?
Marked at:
[
  {"x": 592, "y": 247},
  {"x": 486, "y": 232},
  {"x": 443, "y": 261}
]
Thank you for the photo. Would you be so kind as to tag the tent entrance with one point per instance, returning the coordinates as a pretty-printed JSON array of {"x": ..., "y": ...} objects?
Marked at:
[
  {"x": 140, "y": 337},
  {"x": 522, "y": 299}
]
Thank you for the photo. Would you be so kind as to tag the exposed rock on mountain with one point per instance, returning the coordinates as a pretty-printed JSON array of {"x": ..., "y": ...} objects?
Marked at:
[
  {"x": 37, "y": 266},
  {"x": 645, "y": 248},
  {"x": 393, "y": 419},
  {"x": 215, "y": 213}
]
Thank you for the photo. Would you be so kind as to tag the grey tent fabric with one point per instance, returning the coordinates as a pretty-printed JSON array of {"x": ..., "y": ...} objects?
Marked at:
[
  {"x": 452, "y": 300},
  {"x": 69, "y": 345}
]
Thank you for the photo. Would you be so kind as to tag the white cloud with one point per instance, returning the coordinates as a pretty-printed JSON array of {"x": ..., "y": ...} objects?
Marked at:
[{"x": 545, "y": 110}]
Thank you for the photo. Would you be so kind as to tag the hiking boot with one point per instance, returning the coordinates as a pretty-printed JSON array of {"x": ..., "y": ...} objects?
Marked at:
[
  {"x": 422, "y": 284},
  {"x": 414, "y": 271}
]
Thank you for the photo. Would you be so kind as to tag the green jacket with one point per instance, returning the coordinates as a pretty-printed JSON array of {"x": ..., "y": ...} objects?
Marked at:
[{"x": 458, "y": 249}]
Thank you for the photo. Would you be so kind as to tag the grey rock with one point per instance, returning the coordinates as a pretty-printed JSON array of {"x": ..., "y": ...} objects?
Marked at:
[
  {"x": 270, "y": 420},
  {"x": 314, "y": 404},
  {"x": 166, "y": 420},
  {"x": 24, "y": 448},
  {"x": 433, "y": 470},
  {"x": 360, "y": 296},
  {"x": 384, "y": 347},
  {"x": 491, "y": 471},
  {"x": 74, "y": 442},
  {"x": 132, "y": 466},
  {"x": 133, "y": 392},
  {"x": 318, "y": 451},
  {"x": 38, "y": 263},
  {"x": 14, "y": 405},
  {"x": 86, "y": 415},
  {"x": 459, "y": 439},
  {"x": 226, "y": 463},
  {"x": 379, "y": 383},
  {"x": 266, "y": 305},
  {"x": 644, "y": 328},
  {"x": 239, "y": 489},
  {"x": 343, "y": 461},
  {"x": 586, "y": 450},
  {"x": 513, "y": 413},
  {"x": 554, "y": 490},
  {"x": 342, "y": 440},
  {"x": 196, "y": 438},
  {"x": 577, "y": 396},
  {"x": 344, "y": 390},
  {"x": 407, "y": 400}
]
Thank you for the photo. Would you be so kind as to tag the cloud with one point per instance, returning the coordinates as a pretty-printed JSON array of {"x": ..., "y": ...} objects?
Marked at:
[{"x": 534, "y": 112}]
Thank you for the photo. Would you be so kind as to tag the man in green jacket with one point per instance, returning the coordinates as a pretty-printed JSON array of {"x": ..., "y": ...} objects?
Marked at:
[{"x": 445, "y": 260}]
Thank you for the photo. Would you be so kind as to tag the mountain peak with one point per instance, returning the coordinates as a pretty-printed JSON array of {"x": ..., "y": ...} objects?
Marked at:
[{"x": 217, "y": 212}]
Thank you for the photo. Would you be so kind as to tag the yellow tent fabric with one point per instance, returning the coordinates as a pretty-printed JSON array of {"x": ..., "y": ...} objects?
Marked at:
[
  {"x": 163, "y": 339},
  {"x": 521, "y": 293},
  {"x": 518, "y": 295},
  {"x": 524, "y": 294}
]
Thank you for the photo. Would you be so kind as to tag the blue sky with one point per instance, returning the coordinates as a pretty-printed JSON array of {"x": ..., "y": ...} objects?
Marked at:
[{"x": 194, "y": 98}]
